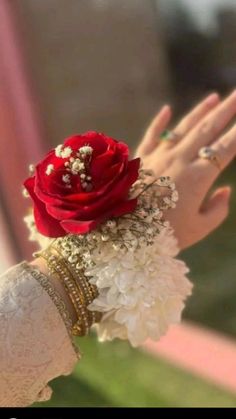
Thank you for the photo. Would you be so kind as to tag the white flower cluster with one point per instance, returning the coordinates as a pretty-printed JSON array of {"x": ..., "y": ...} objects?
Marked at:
[
  {"x": 63, "y": 152},
  {"x": 141, "y": 293},
  {"x": 77, "y": 163}
]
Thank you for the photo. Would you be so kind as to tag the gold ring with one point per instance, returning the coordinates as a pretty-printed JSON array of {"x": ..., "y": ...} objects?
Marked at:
[{"x": 210, "y": 154}]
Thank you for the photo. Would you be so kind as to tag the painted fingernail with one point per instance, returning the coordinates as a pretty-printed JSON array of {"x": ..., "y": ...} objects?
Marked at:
[{"x": 213, "y": 98}]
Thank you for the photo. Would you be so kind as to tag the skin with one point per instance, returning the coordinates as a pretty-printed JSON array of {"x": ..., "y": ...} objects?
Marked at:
[{"x": 195, "y": 216}]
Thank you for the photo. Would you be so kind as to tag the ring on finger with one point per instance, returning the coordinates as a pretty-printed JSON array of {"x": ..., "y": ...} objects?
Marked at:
[
  {"x": 169, "y": 135},
  {"x": 208, "y": 153}
]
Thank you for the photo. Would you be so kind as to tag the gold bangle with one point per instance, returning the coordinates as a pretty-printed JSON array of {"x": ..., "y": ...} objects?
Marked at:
[
  {"x": 56, "y": 299},
  {"x": 89, "y": 291},
  {"x": 55, "y": 265}
]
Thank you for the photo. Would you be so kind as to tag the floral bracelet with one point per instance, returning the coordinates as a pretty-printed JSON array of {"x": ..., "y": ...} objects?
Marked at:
[{"x": 106, "y": 215}]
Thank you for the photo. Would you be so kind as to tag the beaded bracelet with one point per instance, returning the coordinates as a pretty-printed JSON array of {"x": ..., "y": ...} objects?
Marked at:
[
  {"x": 74, "y": 263},
  {"x": 88, "y": 290},
  {"x": 78, "y": 290}
]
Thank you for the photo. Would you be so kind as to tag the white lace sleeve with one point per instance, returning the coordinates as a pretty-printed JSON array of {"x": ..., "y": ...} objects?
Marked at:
[{"x": 35, "y": 345}]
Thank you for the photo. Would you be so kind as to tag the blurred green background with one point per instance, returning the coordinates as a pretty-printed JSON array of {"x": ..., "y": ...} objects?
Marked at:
[
  {"x": 114, "y": 374},
  {"x": 109, "y": 65},
  {"x": 213, "y": 271}
]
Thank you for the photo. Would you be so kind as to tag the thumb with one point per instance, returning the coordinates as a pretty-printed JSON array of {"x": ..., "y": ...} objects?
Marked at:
[{"x": 217, "y": 208}]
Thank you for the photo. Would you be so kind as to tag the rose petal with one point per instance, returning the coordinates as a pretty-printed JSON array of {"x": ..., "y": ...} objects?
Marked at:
[
  {"x": 62, "y": 213},
  {"x": 110, "y": 176},
  {"x": 99, "y": 165},
  {"x": 79, "y": 227},
  {"x": 124, "y": 208},
  {"x": 122, "y": 149},
  {"x": 108, "y": 201},
  {"x": 91, "y": 138},
  {"x": 45, "y": 224},
  {"x": 83, "y": 227}
]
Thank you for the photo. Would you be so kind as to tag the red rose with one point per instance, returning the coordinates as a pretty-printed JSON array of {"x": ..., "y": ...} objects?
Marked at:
[{"x": 82, "y": 183}]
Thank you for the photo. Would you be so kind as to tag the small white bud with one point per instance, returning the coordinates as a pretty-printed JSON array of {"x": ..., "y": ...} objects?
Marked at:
[
  {"x": 86, "y": 150},
  {"x": 49, "y": 169},
  {"x": 66, "y": 178},
  {"x": 66, "y": 152},
  {"x": 25, "y": 193},
  {"x": 31, "y": 168},
  {"x": 58, "y": 150}
]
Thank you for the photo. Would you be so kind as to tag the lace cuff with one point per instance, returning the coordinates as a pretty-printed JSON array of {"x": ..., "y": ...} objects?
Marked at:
[{"x": 35, "y": 346}]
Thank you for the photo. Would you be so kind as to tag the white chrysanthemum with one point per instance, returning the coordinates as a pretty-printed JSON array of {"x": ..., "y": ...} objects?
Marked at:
[{"x": 141, "y": 292}]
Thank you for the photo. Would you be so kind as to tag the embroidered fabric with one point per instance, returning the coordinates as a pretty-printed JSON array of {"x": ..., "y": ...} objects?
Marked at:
[{"x": 35, "y": 346}]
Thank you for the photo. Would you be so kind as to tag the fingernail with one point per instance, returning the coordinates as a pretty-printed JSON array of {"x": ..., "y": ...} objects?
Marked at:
[
  {"x": 165, "y": 110},
  {"x": 213, "y": 98},
  {"x": 226, "y": 191}
]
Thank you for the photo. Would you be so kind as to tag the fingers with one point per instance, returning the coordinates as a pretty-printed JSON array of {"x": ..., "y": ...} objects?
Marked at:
[
  {"x": 216, "y": 209},
  {"x": 208, "y": 129},
  {"x": 225, "y": 148},
  {"x": 196, "y": 115},
  {"x": 154, "y": 131},
  {"x": 162, "y": 119}
]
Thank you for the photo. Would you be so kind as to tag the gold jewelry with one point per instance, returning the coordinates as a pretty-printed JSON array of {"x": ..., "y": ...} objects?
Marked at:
[
  {"x": 78, "y": 290},
  {"x": 210, "y": 154},
  {"x": 88, "y": 291},
  {"x": 80, "y": 328}
]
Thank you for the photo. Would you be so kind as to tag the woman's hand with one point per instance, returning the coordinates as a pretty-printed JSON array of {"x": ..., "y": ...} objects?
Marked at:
[{"x": 194, "y": 217}]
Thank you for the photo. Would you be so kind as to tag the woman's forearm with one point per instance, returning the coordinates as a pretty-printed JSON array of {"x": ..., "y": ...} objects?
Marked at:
[{"x": 35, "y": 343}]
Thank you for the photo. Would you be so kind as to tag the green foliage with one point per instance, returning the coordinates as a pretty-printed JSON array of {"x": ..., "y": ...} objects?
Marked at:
[{"x": 114, "y": 374}]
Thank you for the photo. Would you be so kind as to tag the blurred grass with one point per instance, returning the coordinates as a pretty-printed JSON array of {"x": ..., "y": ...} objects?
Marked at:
[{"x": 114, "y": 374}]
